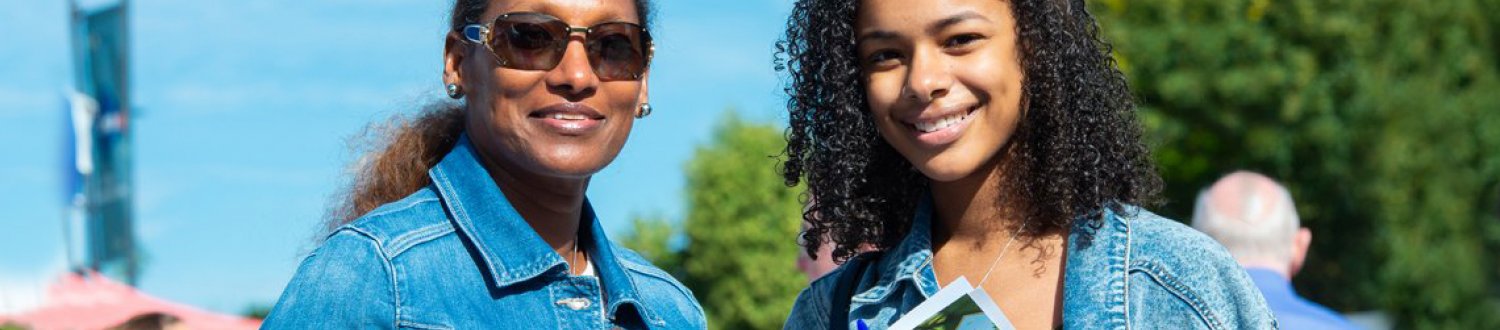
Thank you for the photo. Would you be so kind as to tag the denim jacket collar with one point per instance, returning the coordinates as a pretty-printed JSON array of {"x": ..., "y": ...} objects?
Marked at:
[
  {"x": 910, "y": 261},
  {"x": 508, "y": 248},
  {"x": 1097, "y": 258}
]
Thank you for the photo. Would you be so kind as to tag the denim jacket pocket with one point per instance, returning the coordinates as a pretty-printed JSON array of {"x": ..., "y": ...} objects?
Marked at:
[{"x": 1168, "y": 287}]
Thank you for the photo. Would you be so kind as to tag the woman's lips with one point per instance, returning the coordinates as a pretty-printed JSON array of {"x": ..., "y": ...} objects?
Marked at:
[
  {"x": 569, "y": 119},
  {"x": 940, "y": 130}
]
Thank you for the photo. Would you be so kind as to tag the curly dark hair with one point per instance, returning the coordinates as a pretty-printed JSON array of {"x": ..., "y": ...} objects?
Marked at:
[{"x": 1077, "y": 149}]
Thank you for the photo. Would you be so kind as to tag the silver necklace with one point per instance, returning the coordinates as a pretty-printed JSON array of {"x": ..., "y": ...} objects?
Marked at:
[
  {"x": 1003, "y": 250},
  {"x": 574, "y": 258}
]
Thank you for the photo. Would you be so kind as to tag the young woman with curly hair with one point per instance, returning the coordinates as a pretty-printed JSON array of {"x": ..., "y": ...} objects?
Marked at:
[
  {"x": 473, "y": 216},
  {"x": 993, "y": 140}
]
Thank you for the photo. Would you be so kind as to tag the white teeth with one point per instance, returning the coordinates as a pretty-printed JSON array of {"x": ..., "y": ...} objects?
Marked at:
[
  {"x": 940, "y": 123},
  {"x": 568, "y": 116}
]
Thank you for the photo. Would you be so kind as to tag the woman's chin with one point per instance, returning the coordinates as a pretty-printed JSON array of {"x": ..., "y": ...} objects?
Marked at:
[
  {"x": 957, "y": 162},
  {"x": 939, "y": 170},
  {"x": 578, "y": 164},
  {"x": 571, "y": 168},
  {"x": 944, "y": 175}
]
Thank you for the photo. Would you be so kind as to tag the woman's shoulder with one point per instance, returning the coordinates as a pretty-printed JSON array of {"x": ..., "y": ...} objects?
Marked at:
[
  {"x": 639, "y": 266},
  {"x": 1171, "y": 264},
  {"x": 367, "y": 247},
  {"x": 397, "y": 227},
  {"x": 1154, "y": 237},
  {"x": 376, "y": 236},
  {"x": 1158, "y": 244},
  {"x": 346, "y": 282},
  {"x": 420, "y": 211}
]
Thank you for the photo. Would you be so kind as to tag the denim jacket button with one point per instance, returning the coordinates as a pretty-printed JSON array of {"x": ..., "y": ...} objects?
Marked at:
[{"x": 576, "y": 304}]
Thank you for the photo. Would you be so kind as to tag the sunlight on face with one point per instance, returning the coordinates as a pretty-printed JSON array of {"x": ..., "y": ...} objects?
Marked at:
[
  {"x": 565, "y": 122},
  {"x": 943, "y": 80}
]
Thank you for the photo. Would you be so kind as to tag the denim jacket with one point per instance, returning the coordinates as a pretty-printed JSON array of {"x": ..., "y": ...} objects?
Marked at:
[
  {"x": 1133, "y": 270},
  {"x": 456, "y": 255}
]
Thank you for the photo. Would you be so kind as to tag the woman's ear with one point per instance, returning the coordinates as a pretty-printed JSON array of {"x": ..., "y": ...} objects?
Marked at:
[
  {"x": 644, "y": 96},
  {"x": 455, "y": 51}
]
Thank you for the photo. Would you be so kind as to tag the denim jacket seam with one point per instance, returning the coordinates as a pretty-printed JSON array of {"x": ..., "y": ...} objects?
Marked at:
[
  {"x": 535, "y": 267},
  {"x": 410, "y": 239},
  {"x": 419, "y": 325},
  {"x": 1176, "y": 288},
  {"x": 884, "y": 286},
  {"x": 646, "y": 271},
  {"x": 1125, "y": 269},
  {"x": 402, "y": 207},
  {"x": 909, "y": 268},
  {"x": 876, "y": 292},
  {"x": 390, "y": 270},
  {"x": 552, "y": 297}
]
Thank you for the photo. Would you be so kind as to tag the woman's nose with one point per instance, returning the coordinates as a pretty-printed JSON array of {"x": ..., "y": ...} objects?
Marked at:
[
  {"x": 930, "y": 76},
  {"x": 574, "y": 77}
]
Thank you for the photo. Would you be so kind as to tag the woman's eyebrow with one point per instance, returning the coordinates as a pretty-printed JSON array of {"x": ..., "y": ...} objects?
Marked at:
[
  {"x": 955, "y": 19},
  {"x": 934, "y": 28},
  {"x": 876, "y": 35}
]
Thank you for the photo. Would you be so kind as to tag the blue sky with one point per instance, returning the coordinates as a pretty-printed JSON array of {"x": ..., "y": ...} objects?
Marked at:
[{"x": 244, "y": 110}]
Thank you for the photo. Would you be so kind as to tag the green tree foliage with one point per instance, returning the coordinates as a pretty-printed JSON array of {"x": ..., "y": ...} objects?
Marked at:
[
  {"x": 1382, "y": 117},
  {"x": 741, "y": 228},
  {"x": 653, "y": 238}
]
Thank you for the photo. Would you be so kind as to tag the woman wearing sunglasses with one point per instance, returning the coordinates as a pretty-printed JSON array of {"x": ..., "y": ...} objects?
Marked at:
[
  {"x": 991, "y": 140},
  {"x": 473, "y": 216}
]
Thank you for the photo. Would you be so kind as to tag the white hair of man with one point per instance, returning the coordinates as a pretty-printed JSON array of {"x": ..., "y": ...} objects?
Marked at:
[{"x": 1254, "y": 217}]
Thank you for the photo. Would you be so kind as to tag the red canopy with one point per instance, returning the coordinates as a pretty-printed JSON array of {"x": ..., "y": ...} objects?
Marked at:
[{"x": 92, "y": 301}]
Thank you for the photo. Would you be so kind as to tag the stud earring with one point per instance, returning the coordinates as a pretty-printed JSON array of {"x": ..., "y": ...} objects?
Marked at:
[
  {"x": 455, "y": 92},
  {"x": 643, "y": 111}
]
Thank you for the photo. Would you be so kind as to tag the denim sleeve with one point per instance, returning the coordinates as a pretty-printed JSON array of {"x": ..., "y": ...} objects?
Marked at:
[
  {"x": 346, "y": 283},
  {"x": 1225, "y": 288},
  {"x": 1178, "y": 271},
  {"x": 810, "y": 311}
]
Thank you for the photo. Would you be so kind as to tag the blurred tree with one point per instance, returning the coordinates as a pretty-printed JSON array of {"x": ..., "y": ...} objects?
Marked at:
[
  {"x": 654, "y": 237},
  {"x": 740, "y": 252},
  {"x": 1379, "y": 115},
  {"x": 257, "y": 311}
]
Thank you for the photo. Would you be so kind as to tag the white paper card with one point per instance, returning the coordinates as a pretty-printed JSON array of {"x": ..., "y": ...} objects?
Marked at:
[{"x": 958, "y": 306}]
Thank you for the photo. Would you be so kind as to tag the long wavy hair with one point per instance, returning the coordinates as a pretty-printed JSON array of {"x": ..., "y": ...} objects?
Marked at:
[
  {"x": 401, "y": 150},
  {"x": 1077, "y": 149}
]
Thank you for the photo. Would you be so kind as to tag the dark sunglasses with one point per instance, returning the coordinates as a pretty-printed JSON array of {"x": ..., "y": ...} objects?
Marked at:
[{"x": 535, "y": 41}]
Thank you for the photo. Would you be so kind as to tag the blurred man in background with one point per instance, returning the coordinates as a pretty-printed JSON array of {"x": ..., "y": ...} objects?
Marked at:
[{"x": 1255, "y": 218}]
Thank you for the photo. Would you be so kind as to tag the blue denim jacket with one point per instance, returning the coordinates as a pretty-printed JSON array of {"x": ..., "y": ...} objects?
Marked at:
[
  {"x": 1134, "y": 270},
  {"x": 456, "y": 255}
]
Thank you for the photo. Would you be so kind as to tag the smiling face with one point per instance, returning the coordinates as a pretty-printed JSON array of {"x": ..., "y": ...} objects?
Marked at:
[
  {"x": 943, "y": 80},
  {"x": 562, "y": 123}
]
